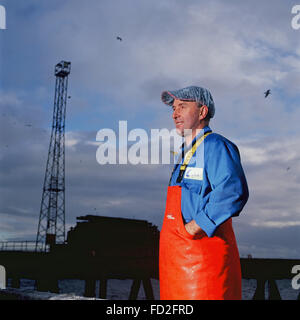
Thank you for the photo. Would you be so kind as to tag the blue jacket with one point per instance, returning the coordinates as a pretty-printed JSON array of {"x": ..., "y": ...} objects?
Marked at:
[{"x": 214, "y": 186}]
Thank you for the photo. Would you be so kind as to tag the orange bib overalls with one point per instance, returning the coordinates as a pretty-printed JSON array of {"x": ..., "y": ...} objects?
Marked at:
[{"x": 196, "y": 268}]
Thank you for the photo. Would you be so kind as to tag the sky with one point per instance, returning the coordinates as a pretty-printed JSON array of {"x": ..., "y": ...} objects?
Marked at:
[{"x": 236, "y": 49}]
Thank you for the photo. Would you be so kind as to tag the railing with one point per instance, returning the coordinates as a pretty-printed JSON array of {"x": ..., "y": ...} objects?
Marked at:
[{"x": 17, "y": 246}]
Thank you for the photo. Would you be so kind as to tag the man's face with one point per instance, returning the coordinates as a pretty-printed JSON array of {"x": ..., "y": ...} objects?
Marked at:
[{"x": 186, "y": 115}]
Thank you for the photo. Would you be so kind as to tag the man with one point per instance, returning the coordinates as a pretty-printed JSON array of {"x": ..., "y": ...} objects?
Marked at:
[{"x": 198, "y": 256}]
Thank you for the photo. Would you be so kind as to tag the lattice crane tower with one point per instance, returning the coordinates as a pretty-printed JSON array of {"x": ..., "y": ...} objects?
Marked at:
[{"x": 51, "y": 227}]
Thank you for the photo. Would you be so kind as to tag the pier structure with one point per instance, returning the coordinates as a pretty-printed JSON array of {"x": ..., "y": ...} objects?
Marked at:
[
  {"x": 98, "y": 248},
  {"x": 102, "y": 248}
]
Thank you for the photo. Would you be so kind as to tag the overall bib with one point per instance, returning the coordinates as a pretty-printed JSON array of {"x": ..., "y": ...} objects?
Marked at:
[{"x": 196, "y": 267}]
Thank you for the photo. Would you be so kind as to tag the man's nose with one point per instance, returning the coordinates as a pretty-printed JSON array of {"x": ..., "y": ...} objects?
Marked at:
[{"x": 175, "y": 113}]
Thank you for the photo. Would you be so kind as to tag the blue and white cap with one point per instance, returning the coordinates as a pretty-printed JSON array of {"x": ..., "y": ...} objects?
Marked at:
[{"x": 191, "y": 93}]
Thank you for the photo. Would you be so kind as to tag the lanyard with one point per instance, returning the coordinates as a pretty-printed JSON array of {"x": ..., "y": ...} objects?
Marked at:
[{"x": 188, "y": 157}]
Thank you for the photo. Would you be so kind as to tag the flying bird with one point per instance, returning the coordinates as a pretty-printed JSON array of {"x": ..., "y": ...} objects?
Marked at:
[
  {"x": 119, "y": 38},
  {"x": 267, "y": 93}
]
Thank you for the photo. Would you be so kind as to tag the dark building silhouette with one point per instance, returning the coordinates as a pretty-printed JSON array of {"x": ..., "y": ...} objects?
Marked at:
[{"x": 116, "y": 247}]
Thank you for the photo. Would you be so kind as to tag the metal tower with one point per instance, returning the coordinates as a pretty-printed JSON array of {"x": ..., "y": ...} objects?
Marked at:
[{"x": 51, "y": 227}]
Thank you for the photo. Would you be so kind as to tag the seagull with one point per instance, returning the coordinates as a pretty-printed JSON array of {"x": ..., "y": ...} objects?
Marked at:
[
  {"x": 119, "y": 38},
  {"x": 267, "y": 93}
]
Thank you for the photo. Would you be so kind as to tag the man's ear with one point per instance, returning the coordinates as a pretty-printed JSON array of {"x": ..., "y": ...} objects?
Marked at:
[{"x": 203, "y": 112}]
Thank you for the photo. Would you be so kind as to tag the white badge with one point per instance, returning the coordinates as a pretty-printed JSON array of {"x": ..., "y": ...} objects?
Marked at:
[{"x": 194, "y": 173}]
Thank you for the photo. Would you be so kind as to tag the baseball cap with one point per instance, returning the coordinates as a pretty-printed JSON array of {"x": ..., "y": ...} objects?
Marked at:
[{"x": 191, "y": 93}]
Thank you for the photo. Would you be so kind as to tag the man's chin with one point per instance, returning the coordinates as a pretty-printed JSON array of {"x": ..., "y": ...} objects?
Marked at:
[
  {"x": 183, "y": 132},
  {"x": 180, "y": 132}
]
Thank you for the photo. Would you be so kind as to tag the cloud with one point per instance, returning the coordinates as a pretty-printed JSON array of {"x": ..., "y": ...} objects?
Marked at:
[
  {"x": 157, "y": 43},
  {"x": 276, "y": 224}
]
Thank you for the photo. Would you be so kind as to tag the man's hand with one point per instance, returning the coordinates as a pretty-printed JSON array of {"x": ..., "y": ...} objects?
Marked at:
[{"x": 193, "y": 229}]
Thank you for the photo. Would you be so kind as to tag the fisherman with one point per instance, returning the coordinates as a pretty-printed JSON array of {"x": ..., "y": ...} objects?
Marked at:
[{"x": 199, "y": 258}]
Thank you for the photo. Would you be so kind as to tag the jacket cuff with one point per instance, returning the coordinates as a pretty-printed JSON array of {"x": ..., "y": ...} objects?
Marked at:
[{"x": 207, "y": 225}]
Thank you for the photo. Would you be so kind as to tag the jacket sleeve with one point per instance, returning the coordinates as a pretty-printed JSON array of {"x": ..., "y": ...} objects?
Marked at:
[{"x": 228, "y": 185}]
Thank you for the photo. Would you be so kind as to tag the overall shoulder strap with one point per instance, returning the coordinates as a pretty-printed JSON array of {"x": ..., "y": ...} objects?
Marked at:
[{"x": 189, "y": 156}]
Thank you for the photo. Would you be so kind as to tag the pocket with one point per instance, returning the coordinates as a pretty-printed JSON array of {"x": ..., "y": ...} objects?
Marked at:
[
  {"x": 182, "y": 230},
  {"x": 187, "y": 234},
  {"x": 194, "y": 186}
]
